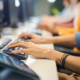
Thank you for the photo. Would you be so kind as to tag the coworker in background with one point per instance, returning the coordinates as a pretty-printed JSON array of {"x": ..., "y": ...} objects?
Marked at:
[
  {"x": 66, "y": 61},
  {"x": 66, "y": 4},
  {"x": 48, "y": 23}
]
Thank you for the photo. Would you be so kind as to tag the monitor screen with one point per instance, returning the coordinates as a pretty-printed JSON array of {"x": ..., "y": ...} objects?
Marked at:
[
  {"x": 1, "y": 5},
  {"x": 12, "y": 12},
  {"x": 24, "y": 9},
  {"x": 1, "y": 12},
  {"x": 21, "y": 10},
  {"x": 16, "y": 64}
]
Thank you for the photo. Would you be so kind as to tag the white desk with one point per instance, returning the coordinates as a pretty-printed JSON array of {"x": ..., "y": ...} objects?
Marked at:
[{"x": 46, "y": 69}]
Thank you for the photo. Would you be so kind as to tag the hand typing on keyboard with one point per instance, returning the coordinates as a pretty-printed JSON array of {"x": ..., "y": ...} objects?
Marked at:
[
  {"x": 30, "y": 48},
  {"x": 4, "y": 49},
  {"x": 33, "y": 38}
]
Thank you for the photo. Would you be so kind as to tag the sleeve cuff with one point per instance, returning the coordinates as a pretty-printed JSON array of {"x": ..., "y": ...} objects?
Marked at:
[{"x": 78, "y": 39}]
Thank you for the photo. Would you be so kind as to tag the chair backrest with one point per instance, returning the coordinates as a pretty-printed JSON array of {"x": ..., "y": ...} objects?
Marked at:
[{"x": 77, "y": 20}]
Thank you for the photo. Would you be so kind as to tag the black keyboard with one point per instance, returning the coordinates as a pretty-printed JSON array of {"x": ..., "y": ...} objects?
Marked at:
[{"x": 4, "y": 48}]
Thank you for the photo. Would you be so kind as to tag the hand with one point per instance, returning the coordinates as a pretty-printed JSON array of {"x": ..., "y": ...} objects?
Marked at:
[
  {"x": 46, "y": 24},
  {"x": 31, "y": 49},
  {"x": 34, "y": 38}
]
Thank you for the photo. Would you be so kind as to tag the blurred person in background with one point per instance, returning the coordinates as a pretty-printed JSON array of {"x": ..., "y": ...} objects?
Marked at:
[
  {"x": 62, "y": 14},
  {"x": 48, "y": 22},
  {"x": 66, "y": 4}
]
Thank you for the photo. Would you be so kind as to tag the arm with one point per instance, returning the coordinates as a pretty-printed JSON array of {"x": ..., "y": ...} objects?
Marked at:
[
  {"x": 72, "y": 63},
  {"x": 67, "y": 41},
  {"x": 65, "y": 25}
]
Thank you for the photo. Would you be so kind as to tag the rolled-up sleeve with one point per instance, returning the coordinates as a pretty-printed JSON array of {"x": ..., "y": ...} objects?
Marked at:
[{"x": 78, "y": 39}]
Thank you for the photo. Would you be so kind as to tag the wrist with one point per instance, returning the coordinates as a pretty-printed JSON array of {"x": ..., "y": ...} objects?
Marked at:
[
  {"x": 54, "y": 55},
  {"x": 44, "y": 40},
  {"x": 51, "y": 54},
  {"x": 48, "y": 40}
]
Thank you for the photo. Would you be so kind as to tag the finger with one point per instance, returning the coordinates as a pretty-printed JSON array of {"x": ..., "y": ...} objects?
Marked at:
[
  {"x": 14, "y": 43},
  {"x": 19, "y": 51},
  {"x": 32, "y": 40},
  {"x": 18, "y": 45},
  {"x": 40, "y": 26},
  {"x": 25, "y": 35},
  {"x": 17, "y": 42},
  {"x": 22, "y": 35}
]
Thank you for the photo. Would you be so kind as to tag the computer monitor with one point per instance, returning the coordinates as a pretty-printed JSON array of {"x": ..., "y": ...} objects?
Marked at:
[
  {"x": 17, "y": 66},
  {"x": 21, "y": 10},
  {"x": 10, "y": 12},
  {"x": 30, "y": 7},
  {"x": 1, "y": 13}
]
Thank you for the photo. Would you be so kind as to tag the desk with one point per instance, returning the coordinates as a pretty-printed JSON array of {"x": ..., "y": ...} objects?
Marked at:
[{"x": 46, "y": 69}]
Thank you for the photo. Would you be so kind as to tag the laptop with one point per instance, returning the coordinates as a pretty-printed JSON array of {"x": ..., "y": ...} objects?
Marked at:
[{"x": 17, "y": 66}]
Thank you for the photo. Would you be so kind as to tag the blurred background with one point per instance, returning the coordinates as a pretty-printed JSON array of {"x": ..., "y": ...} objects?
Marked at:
[
  {"x": 12, "y": 11},
  {"x": 47, "y": 7}
]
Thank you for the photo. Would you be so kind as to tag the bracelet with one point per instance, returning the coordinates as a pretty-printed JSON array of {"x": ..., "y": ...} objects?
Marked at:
[
  {"x": 64, "y": 61},
  {"x": 63, "y": 58}
]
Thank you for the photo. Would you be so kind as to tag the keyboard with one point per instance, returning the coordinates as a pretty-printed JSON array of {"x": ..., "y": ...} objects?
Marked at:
[
  {"x": 32, "y": 28},
  {"x": 35, "y": 31},
  {"x": 4, "y": 49},
  {"x": 35, "y": 19}
]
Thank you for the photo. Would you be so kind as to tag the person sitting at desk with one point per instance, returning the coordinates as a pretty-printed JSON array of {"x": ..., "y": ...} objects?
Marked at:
[
  {"x": 66, "y": 61},
  {"x": 66, "y": 4},
  {"x": 62, "y": 14},
  {"x": 49, "y": 22}
]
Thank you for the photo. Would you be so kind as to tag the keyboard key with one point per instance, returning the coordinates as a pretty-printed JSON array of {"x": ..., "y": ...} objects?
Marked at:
[
  {"x": 5, "y": 42},
  {"x": 16, "y": 48},
  {"x": 18, "y": 56},
  {"x": 6, "y": 50}
]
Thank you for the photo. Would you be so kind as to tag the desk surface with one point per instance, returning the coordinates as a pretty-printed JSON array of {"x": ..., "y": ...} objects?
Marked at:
[{"x": 46, "y": 69}]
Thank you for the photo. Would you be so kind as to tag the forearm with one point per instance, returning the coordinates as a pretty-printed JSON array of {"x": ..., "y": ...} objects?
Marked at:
[
  {"x": 57, "y": 19},
  {"x": 69, "y": 40},
  {"x": 72, "y": 63}
]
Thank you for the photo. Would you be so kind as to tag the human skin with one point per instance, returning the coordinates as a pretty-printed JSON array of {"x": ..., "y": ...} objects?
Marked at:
[{"x": 67, "y": 41}]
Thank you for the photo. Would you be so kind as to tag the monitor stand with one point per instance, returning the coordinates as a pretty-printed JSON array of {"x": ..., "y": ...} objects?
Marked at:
[{"x": 7, "y": 74}]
